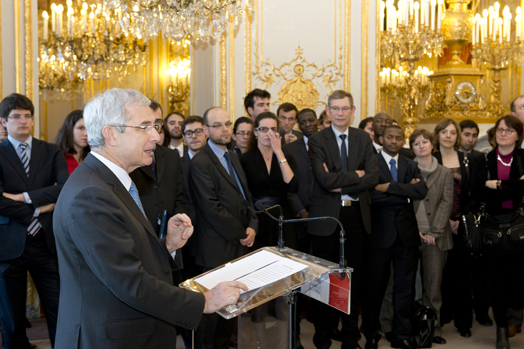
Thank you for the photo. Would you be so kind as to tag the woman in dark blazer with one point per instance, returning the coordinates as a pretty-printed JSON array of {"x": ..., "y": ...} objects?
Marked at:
[
  {"x": 498, "y": 183},
  {"x": 270, "y": 176},
  {"x": 456, "y": 286},
  {"x": 433, "y": 221}
]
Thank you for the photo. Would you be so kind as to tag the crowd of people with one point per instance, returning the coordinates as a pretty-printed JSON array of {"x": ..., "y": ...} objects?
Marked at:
[{"x": 129, "y": 203}]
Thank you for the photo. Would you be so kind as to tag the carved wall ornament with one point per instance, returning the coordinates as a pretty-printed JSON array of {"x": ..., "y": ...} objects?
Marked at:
[{"x": 299, "y": 79}]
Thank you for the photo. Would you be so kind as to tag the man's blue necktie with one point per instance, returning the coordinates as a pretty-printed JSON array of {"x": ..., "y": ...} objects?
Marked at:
[
  {"x": 134, "y": 194},
  {"x": 343, "y": 153},
  {"x": 393, "y": 169}
]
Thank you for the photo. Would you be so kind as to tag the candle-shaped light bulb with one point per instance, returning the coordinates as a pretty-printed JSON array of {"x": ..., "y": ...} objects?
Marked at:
[
  {"x": 439, "y": 12},
  {"x": 46, "y": 18},
  {"x": 433, "y": 6},
  {"x": 499, "y": 22},
  {"x": 416, "y": 8}
]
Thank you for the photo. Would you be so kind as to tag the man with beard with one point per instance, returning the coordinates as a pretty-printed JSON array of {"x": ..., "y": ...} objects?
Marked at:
[
  {"x": 225, "y": 227},
  {"x": 174, "y": 124}
]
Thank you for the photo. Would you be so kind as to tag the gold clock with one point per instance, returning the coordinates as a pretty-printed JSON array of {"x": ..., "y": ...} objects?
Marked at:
[{"x": 465, "y": 92}]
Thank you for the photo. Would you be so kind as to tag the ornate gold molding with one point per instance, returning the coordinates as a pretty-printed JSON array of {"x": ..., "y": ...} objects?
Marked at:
[
  {"x": 297, "y": 78},
  {"x": 347, "y": 48},
  {"x": 222, "y": 80},
  {"x": 364, "y": 87},
  {"x": 18, "y": 48},
  {"x": 28, "y": 24},
  {"x": 248, "y": 20},
  {"x": 231, "y": 69}
]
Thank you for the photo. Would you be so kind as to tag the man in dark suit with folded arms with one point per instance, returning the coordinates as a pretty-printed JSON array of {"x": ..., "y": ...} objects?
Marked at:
[
  {"x": 117, "y": 286},
  {"x": 226, "y": 228},
  {"x": 32, "y": 174},
  {"x": 345, "y": 169},
  {"x": 394, "y": 238}
]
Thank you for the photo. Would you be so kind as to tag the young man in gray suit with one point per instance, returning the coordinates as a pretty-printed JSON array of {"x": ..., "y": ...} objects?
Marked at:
[
  {"x": 345, "y": 168},
  {"x": 117, "y": 286}
]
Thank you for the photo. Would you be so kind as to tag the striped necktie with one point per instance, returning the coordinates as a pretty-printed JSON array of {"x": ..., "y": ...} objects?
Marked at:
[{"x": 35, "y": 225}]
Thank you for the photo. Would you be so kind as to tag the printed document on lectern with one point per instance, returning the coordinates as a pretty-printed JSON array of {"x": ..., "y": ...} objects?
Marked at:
[{"x": 258, "y": 270}]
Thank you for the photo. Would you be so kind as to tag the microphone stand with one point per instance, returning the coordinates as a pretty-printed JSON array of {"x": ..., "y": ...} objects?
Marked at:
[{"x": 262, "y": 209}]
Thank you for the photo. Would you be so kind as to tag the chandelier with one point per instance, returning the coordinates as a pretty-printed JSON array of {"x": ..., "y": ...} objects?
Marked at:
[
  {"x": 201, "y": 19},
  {"x": 93, "y": 42},
  {"x": 407, "y": 33},
  {"x": 495, "y": 48}
]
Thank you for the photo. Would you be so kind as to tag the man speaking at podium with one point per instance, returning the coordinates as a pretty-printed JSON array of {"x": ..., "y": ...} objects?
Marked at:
[{"x": 116, "y": 275}]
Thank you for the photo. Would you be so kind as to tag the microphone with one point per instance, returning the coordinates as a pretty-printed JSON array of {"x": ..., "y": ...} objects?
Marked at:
[{"x": 262, "y": 209}]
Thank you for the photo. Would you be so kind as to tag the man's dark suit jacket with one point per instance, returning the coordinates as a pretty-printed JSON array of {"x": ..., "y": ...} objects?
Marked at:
[
  {"x": 222, "y": 217},
  {"x": 324, "y": 149},
  {"x": 185, "y": 167},
  {"x": 304, "y": 174},
  {"x": 391, "y": 213},
  {"x": 166, "y": 192},
  {"x": 295, "y": 132},
  {"x": 47, "y": 167},
  {"x": 116, "y": 275}
]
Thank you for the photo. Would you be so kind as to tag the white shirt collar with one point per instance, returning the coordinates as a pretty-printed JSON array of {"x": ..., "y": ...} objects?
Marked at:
[
  {"x": 377, "y": 146},
  {"x": 387, "y": 157},
  {"x": 305, "y": 141},
  {"x": 16, "y": 143},
  {"x": 119, "y": 172},
  {"x": 338, "y": 133}
]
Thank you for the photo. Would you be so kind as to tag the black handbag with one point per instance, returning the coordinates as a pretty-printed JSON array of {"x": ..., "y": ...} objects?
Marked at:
[
  {"x": 504, "y": 233},
  {"x": 423, "y": 323}
]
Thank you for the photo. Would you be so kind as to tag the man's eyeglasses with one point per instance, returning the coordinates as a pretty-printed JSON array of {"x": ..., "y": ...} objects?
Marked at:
[
  {"x": 146, "y": 128},
  {"x": 19, "y": 117},
  {"x": 244, "y": 133},
  {"x": 217, "y": 125},
  {"x": 197, "y": 132},
  {"x": 345, "y": 110},
  {"x": 264, "y": 129},
  {"x": 507, "y": 130}
]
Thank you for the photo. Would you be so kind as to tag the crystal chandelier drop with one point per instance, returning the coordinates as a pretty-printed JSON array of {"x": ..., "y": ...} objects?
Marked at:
[{"x": 201, "y": 19}]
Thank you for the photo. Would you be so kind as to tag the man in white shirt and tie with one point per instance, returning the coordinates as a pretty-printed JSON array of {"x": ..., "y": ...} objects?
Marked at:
[{"x": 32, "y": 174}]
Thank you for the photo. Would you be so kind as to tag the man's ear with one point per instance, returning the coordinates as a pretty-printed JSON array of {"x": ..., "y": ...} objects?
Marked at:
[
  {"x": 250, "y": 112},
  {"x": 403, "y": 142},
  {"x": 109, "y": 135}
]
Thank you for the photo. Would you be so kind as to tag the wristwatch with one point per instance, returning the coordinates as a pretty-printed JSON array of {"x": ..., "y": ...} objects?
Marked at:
[{"x": 498, "y": 184}]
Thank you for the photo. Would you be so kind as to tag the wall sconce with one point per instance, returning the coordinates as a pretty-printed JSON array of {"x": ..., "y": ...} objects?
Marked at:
[{"x": 178, "y": 89}]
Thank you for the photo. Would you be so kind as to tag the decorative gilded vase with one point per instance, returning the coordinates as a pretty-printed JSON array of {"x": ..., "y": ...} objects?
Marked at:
[{"x": 457, "y": 27}]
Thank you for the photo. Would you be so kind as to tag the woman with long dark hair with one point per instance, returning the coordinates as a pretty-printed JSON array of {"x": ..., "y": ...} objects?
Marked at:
[{"x": 72, "y": 139}]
